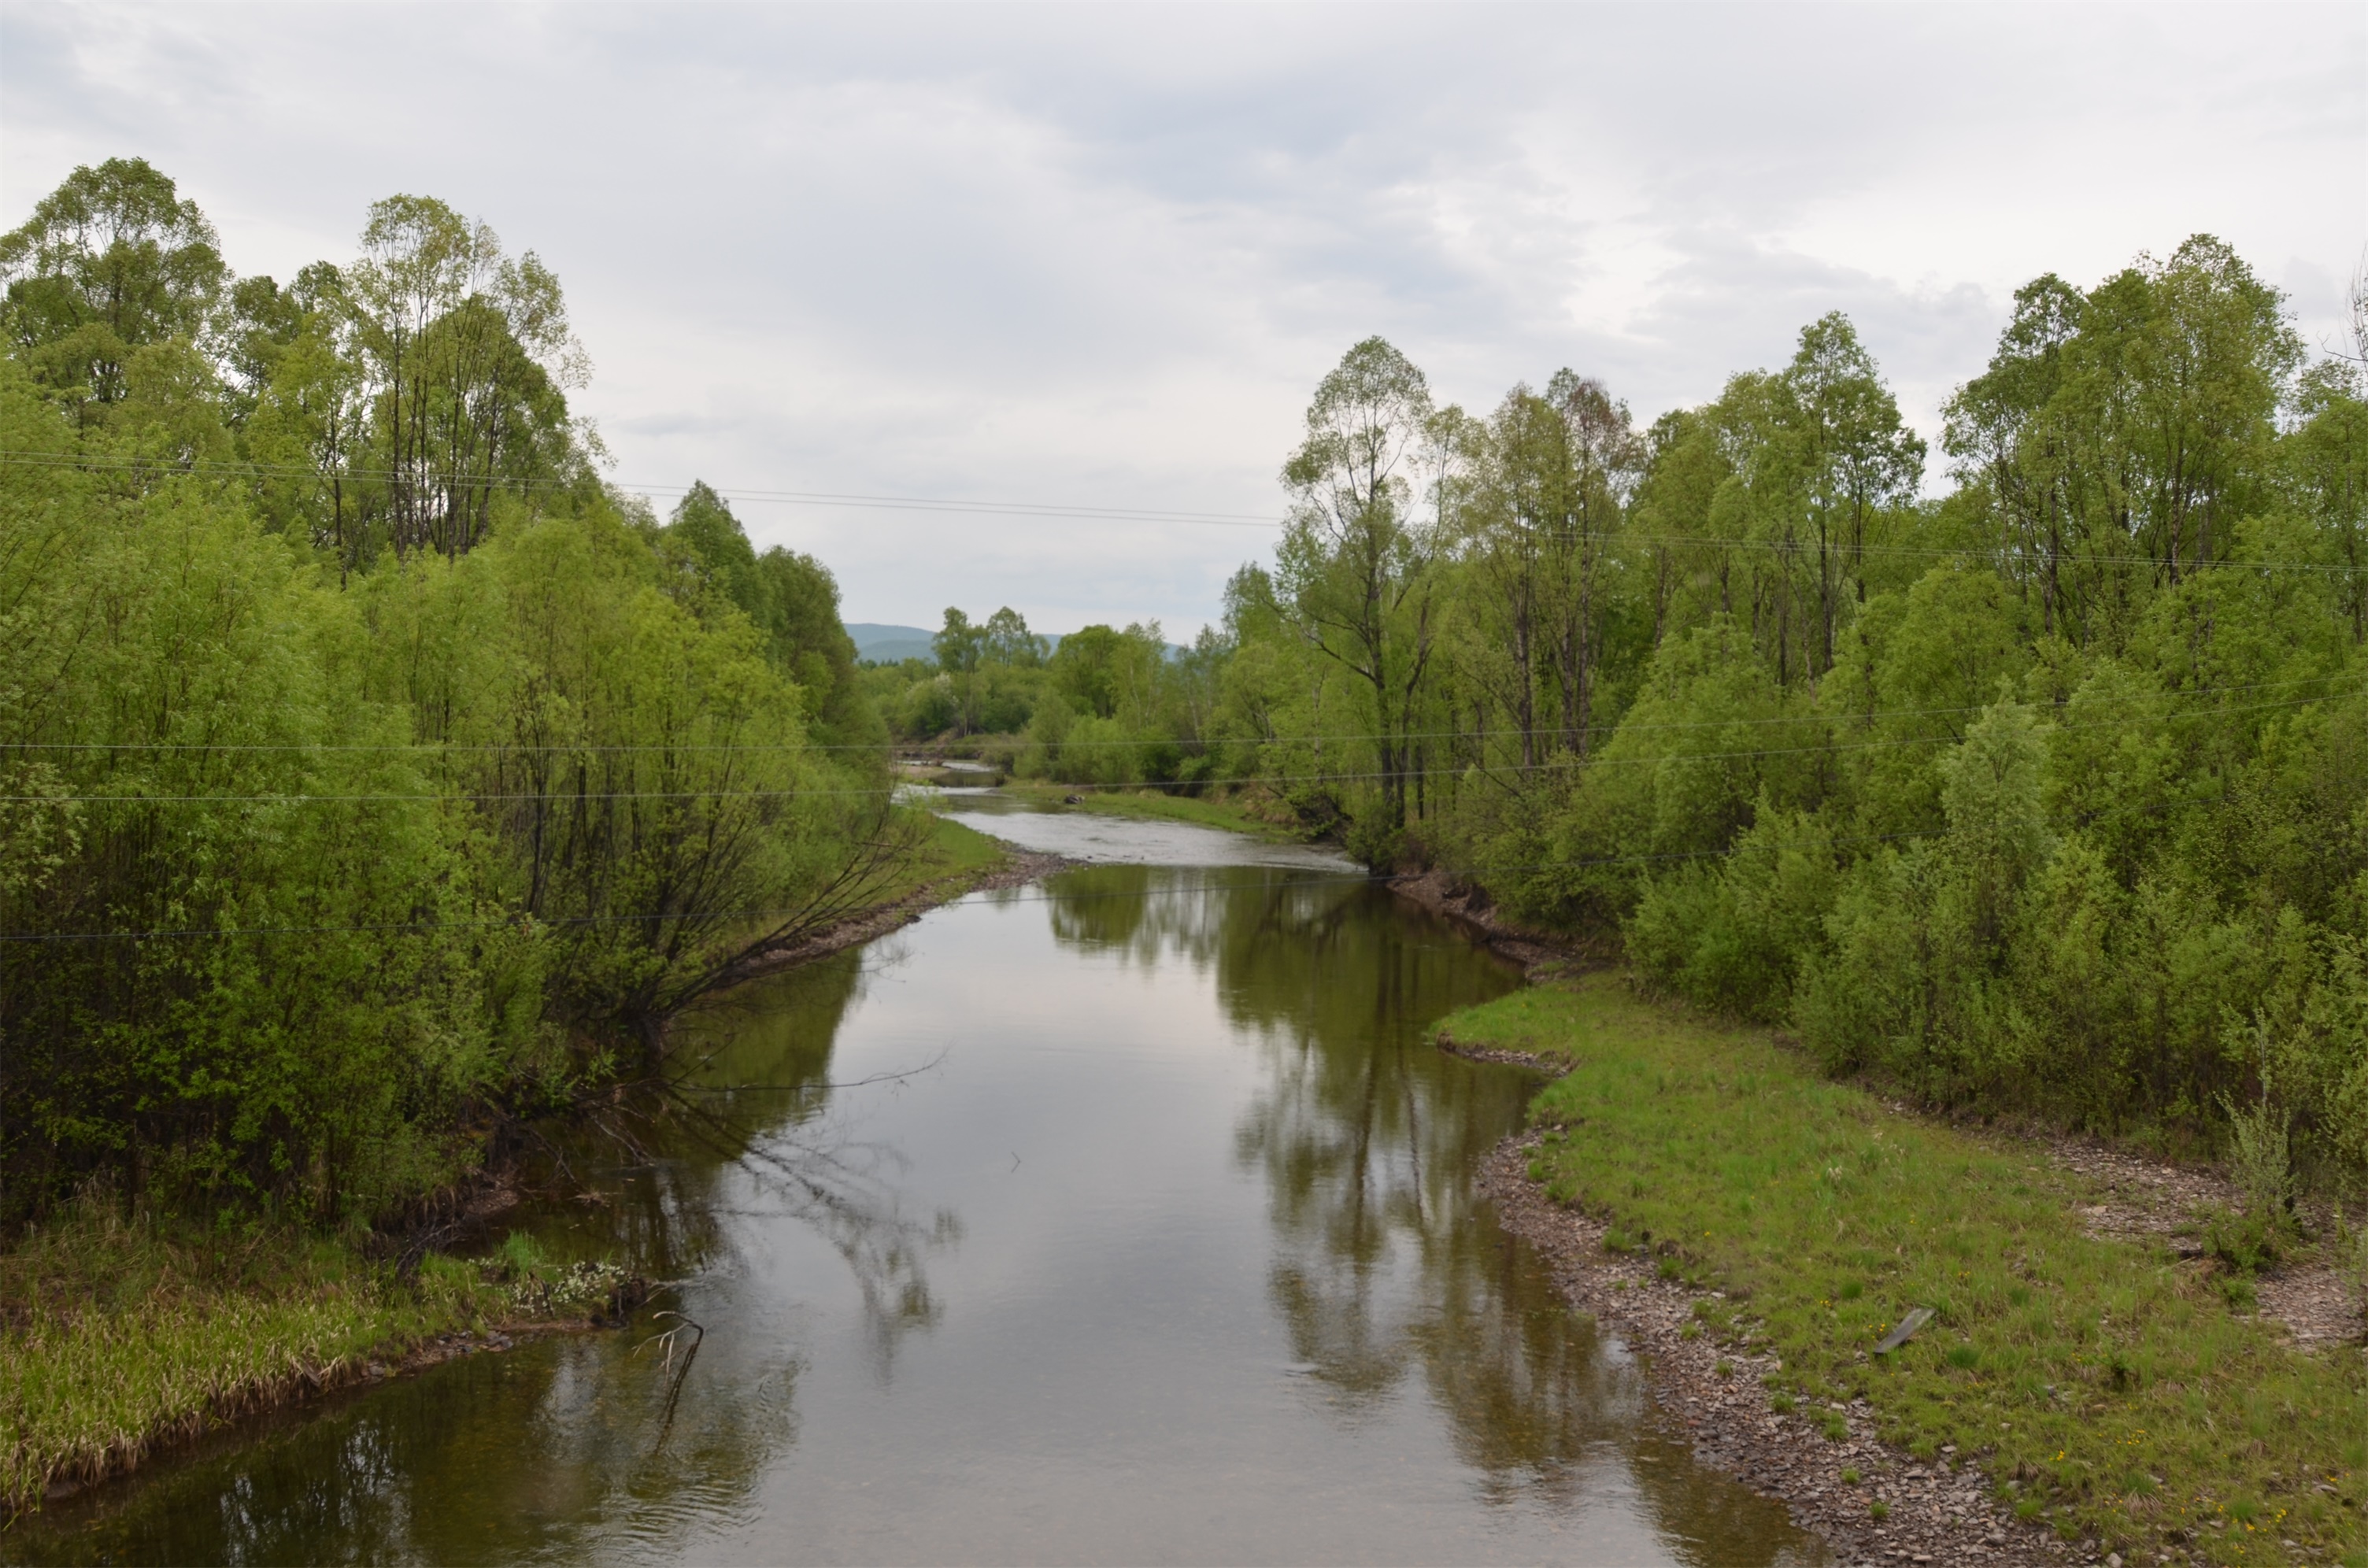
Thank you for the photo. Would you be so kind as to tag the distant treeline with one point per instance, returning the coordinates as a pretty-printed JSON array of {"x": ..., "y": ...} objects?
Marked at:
[
  {"x": 1106, "y": 706},
  {"x": 371, "y": 776}
]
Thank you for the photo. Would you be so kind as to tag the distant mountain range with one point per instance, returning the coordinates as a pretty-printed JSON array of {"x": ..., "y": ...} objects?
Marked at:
[{"x": 888, "y": 644}]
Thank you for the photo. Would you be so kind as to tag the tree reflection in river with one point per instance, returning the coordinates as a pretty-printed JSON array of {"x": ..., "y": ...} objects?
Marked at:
[
  {"x": 1367, "y": 1136},
  {"x": 1386, "y": 1258},
  {"x": 758, "y": 1104},
  {"x": 1238, "y": 1304},
  {"x": 498, "y": 1458}
]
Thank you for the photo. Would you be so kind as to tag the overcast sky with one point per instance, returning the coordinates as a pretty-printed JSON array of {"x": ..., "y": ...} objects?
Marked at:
[{"x": 1097, "y": 256}]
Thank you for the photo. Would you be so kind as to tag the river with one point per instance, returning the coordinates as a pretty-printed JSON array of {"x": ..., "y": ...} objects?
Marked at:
[{"x": 1124, "y": 1219}]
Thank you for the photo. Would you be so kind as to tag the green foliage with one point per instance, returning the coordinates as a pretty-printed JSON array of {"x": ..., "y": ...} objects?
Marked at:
[
  {"x": 117, "y": 1333},
  {"x": 792, "y": 601},
  {"x": 1107, "y": 707},
  {"x": 2038, "y": 795},
  {"x": 348, "y": 810},
  {"x": 112, "y": 261},
  {"x": 1358, "y": 561},
  {"x": 2260, "y": 1159},
  {"x": 1731, "y": 935},
  {"x": 175, "y": 670}
]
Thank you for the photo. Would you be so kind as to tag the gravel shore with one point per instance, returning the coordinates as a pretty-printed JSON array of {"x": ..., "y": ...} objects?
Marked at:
[{"x": 1937, "y": 1513}]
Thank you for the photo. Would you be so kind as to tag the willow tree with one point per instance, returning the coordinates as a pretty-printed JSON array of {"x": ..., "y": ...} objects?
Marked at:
[{"x": 1357, "y": 556}]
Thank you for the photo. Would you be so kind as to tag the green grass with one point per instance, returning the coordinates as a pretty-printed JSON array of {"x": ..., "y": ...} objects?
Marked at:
[
  {"x": 955, "y": 850},
  {"x": 116, "y": 1336},
  {"x": 950, "y": 854},
  {"x": 2082, "y": 1368},
  {"x": 1236, "y": 812}
]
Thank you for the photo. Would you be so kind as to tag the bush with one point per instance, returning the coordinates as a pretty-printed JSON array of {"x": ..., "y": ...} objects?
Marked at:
[
  {"x": 2260, "y": 1159},
  {"x": 2245, "y": 1242},
  {"x": 332, "y": 869},
  {"x": 1732, "y": 935}
]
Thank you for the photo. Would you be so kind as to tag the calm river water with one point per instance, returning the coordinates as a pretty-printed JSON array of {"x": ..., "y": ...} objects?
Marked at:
[{"x": 1126, "y": 1219}]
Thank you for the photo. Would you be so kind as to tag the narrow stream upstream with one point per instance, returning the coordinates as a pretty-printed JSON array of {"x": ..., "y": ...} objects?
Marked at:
[{"x": 1124, "y": 1219}]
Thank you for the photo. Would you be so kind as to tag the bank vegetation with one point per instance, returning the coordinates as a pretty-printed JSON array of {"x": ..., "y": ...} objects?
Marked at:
[{"x": 375, "y": 779}]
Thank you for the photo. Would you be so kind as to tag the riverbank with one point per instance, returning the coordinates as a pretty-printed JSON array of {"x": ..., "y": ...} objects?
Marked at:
[
  {"x": 1256, "y": 815},
  {"x": 1541, "y": 954},
  {"x": 963, "y": 861},
  {"x": 121, "y": 1338},
  {"x": 2080, "y": 1390}
]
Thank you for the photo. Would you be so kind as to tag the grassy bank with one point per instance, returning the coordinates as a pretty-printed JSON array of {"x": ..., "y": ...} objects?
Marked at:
[
  {"x": 1235, "y": 812},
  {"x": 2106, "y": 1387},
  {"x": 118, "y": 1336},
  {"x": 952, "y": 851}
]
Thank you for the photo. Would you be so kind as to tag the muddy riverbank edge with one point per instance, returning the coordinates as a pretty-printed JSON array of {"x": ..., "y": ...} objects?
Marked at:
[
  {"x": 2115, "y": 1388},
  {"x": 472, "y": 1322},
  {"x": 1018, "y": 867},
  {"x": 1541, "y": 954},
  {"x": 1941, "y": 1513},
  {"x": 1938, "y": 1513}
]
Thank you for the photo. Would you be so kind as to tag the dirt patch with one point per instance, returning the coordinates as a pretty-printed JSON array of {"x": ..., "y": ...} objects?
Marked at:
[
  {"x": 2312, "y": 1302},
  {"x": 1451, "y": 1046},
  {"x": 2145, "y": 1199},
  {"x": 2154, "y": 1200},
  {"x": 1937, "y": 1513}
]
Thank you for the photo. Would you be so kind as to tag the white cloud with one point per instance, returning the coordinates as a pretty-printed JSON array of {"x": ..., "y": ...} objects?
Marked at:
[{"x": 1099, "y": 256}]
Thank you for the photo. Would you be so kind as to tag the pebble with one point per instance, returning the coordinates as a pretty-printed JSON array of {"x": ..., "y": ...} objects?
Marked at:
[{"x": 1957, "y": 1518}]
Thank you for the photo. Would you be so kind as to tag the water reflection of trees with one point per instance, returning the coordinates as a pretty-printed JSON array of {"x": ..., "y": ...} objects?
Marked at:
[
  {"x": 1367, "y": 1137},
  {"x": 1385, "y": 1260},
  {"x": 563, "y": 1450},
  {"x": 547, "y": 1453},
  {"x": 1386, "y": 1270},
  {"x": 757, "y": 1110}
]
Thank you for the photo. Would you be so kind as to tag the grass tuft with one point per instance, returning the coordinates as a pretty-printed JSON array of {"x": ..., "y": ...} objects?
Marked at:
[
  {"x": 2071, "y": 1360},
  {"x": 118, "y": 1336}
]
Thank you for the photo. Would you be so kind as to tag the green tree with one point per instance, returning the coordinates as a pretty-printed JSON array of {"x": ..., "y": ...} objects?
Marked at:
[
  {"x": 1357, "y": 558},
  {"x": 792, "y": 600},
  {"x": 113, "y": 259},
  {"x": 469, "y": 357}
]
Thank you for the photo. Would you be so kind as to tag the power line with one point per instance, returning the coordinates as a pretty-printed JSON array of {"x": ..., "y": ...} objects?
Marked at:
[
  {"x": 1005, "y": 896},
  {"x": 1996, "y": 554},
  {"x": 447, "y": 749},
  {"x": 1052, "y": 509},
  {"x": 1001, "y": 895},
  {"x": 561, "y": 797}
]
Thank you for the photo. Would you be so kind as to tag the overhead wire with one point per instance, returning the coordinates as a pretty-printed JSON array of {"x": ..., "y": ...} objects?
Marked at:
[
  {"x": 1071, "y": 512},
  {"x": 998, "y": 895},
  {"x": 1052, "y": 509},
  {"x": 447, "y": 749},
  {"x": 1048, "y": 510},
  {"x": 382, "y": 797},
  {"x": 1001, "y": 895}
]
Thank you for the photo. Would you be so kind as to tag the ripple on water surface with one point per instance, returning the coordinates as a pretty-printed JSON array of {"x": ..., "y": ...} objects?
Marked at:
[{"x": 1139, "y": 1227}]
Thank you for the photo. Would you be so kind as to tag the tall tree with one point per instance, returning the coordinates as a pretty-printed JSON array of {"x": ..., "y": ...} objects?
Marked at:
[
  {"x": 1819, "y": 453},
  {"x": 1357, "y": 559},
  {"x": 470, "y": 356},
  {"x": 112, "y": 259},
  {"x": 1601, "y": 460}
]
